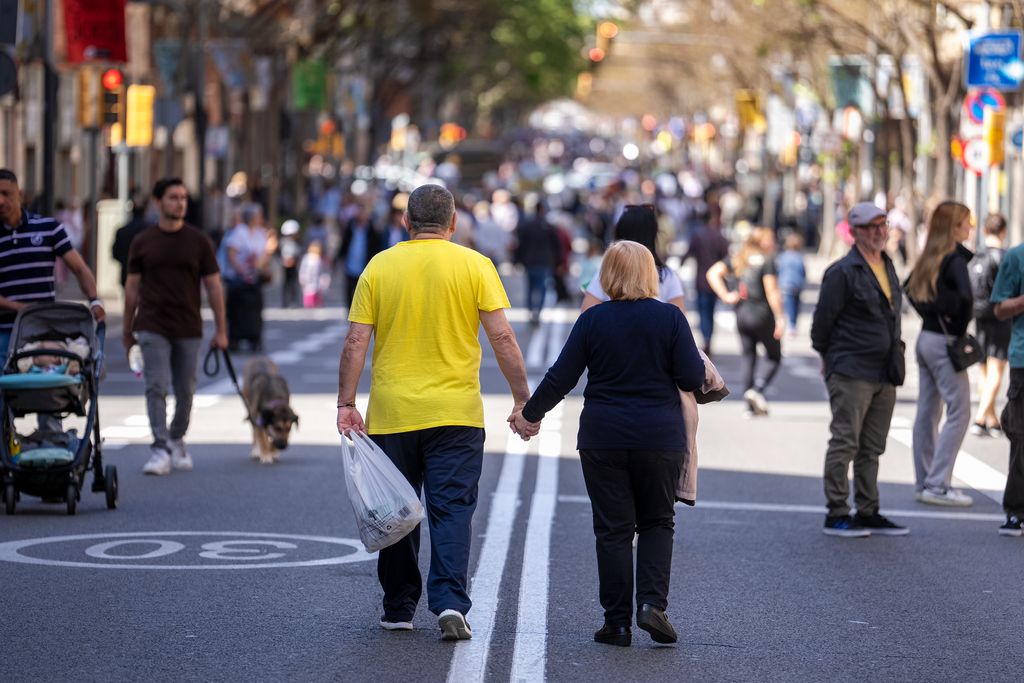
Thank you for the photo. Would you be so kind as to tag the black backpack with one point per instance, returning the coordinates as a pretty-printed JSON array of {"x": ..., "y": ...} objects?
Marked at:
[{"x": 982, "y": 271}]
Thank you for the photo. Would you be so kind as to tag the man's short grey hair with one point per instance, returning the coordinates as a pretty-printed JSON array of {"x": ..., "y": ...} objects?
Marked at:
[{"x": 430, "y": 209}]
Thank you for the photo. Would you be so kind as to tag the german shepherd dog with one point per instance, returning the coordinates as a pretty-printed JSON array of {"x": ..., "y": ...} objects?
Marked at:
[{"x": 266, "y": 393}]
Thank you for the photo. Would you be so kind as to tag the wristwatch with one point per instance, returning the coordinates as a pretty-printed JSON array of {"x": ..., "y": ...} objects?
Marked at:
[{"x": 95, "y": 302}]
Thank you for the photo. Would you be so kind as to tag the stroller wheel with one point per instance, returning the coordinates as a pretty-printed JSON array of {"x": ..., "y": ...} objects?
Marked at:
[
  {"x": 110, "y": 474},
  {"x": 72, "y": 498},
  {"x": 10, "y": 498}
]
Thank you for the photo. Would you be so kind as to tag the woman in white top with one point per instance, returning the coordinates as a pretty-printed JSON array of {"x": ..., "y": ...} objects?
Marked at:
[{"x": 639, "y": 224}]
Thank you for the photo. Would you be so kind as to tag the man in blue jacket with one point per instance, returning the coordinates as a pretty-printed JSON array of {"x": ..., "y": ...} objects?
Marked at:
[{"x": 856, "y": 329}]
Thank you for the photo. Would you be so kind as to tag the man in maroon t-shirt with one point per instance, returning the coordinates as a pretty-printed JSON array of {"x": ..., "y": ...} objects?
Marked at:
[{"x": 167, "y": 262}]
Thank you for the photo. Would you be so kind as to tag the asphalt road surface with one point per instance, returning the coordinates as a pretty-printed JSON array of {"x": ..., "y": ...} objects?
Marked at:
[{"x": 239, "y": 571}]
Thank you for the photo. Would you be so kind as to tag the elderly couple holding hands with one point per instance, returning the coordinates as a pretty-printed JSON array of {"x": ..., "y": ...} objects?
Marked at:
[{"x": 424, "y": 300}]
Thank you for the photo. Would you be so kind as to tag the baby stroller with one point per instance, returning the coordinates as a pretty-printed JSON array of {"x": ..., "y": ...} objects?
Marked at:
[{"x": 52, "y": 369}]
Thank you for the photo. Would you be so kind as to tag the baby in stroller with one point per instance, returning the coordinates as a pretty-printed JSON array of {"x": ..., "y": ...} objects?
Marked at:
[{"x": 53, "y": 371}]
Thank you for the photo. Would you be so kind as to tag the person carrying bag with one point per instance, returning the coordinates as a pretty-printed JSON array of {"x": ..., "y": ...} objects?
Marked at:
[
  {"x": 385, "y": 504},
  {"x": 939, "y": 288}
]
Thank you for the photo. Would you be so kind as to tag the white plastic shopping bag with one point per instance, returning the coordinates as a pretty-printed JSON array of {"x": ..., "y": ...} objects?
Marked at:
[{"x": 386, "y": 505}]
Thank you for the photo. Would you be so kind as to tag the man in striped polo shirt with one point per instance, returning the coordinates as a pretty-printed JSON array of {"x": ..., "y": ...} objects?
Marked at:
[{"x": 29, "y": 247}]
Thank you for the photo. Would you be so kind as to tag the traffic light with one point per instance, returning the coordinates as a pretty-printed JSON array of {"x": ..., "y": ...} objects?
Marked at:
[
  {"x": 113, "y": 97},
  {"x": 606, "y": 30},
  {"x": 90, "y": 103}
]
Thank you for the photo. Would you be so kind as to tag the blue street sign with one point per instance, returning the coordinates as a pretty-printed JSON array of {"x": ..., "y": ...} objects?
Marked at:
[
  {"x": 1018, "y": 138},
  {"x": 991, "y": 59}
]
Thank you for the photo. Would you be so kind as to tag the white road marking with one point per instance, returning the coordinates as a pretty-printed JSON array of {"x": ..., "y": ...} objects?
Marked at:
[
  {"x": 968, "y": 469},
  {"x": 469, "y": 660},
  {"x": 10, "y": 551},
  {"x": 529, "y": 657},
  {"x": 555, "y": 341},
  {"x": 125, "y": 432},
  {"x": 812, "y": 509},
  {"x": 205, "y": 401},
  {"x": 535, "y": 349}
]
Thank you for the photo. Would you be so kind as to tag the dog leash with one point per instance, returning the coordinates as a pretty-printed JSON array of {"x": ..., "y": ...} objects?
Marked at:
[{"x": 211, "y": 367}]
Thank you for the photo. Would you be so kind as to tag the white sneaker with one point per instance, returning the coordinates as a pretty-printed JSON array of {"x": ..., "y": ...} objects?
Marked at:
[
  {"x": 757, "y": 402},
  {"x": 454, "y": 626},
  {"x": 949, "y": 497},
  {"x": 396, "y": 625},
  {"x": 180, "y": 458},
  {"x": 159, "y": 462}
]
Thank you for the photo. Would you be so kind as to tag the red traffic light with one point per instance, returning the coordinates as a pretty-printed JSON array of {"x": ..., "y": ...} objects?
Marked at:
[
  {"x": 596, "y": 54},
  {"x": 112, "y": 79}
]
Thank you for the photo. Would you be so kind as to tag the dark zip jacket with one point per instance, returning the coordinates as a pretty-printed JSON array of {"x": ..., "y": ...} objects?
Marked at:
[
  {"x": 953, "y": 300},
  {"x": 855, "y": 329}
]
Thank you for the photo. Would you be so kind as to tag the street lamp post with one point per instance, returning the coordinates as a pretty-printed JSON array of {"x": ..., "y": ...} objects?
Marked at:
[{"x": 49, "y": 111}]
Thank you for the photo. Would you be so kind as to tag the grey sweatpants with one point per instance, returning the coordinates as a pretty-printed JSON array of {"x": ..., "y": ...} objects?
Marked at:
[
  {"x": 168, "y": 363},
  {"x": 939, "y": 384}
]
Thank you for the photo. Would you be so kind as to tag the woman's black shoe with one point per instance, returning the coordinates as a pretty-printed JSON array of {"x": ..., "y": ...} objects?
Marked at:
[
  {"x": 654, "y": 621},
  {"x": 614, "y": 635}
]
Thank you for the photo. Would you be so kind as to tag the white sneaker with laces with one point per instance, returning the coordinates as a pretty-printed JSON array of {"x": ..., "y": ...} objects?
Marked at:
[
  {"x": 950, "y": 497},
  {"x": 454, "y": 626},
  {"x": 180, "y": 458},
  {"x": 159, "y": 462}
]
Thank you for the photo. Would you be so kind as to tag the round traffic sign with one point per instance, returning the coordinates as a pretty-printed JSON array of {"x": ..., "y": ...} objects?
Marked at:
[
  {"x": 975, "y": 155},
  {"x": 976, "y": 101}
]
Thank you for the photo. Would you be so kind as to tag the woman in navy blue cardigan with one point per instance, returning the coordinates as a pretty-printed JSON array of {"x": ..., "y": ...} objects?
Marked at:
[{"x": 638, "y": 353}]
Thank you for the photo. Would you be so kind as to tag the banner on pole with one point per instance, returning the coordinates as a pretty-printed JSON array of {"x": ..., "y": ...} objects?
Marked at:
[
  {"x": 95, "y": 30},
  {"x": 8, "y": 22}
]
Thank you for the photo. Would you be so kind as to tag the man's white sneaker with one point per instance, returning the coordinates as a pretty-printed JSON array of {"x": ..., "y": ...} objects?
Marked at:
[
  {"x": 454, "y": 626},
  {"x": 180, "y": 458},
  {"x": 396, "y": 625},
  {"x": 159, "y": 462},
  {"x": 949, "y": 497}
]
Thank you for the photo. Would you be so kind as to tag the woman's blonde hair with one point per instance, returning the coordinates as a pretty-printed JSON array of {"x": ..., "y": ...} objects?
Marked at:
[
  {"x": 751, "y": 246},
  {"x": 923, "y": 280},
  {"x": 628, "y": 272}
]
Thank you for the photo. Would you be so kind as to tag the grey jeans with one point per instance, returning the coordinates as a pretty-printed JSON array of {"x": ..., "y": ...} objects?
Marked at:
[
  {"x": 861, "y": 413},
  {"x": 168, "y": 363},
  {"x": 939, "y": 384}
]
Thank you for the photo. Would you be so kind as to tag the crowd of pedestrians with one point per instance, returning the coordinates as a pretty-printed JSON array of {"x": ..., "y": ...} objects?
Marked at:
[{"x": 400, "y": 259}]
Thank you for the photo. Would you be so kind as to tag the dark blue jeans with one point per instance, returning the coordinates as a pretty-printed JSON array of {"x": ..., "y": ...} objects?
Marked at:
[
  {"x": 706, "y": 302},
  {"x": 445, "y": 462},
  {"x": 537, "y": 288},
  {"x": 791, "y": 305}
]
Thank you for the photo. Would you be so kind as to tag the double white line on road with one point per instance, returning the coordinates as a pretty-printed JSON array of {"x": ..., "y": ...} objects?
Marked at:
[{"x": 529, "y": 658}]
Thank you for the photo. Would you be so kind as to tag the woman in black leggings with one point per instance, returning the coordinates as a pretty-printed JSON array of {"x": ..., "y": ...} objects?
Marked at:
[{"x": 758, "y": 303}]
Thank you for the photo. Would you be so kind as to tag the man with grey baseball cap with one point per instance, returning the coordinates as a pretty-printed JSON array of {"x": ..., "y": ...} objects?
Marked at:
[{"x": 856, "y": 329}]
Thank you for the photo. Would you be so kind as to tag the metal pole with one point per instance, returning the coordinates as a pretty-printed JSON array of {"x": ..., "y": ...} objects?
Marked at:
[
  {"x": 122, "y": 174},
  {"x": 49, "y": 111},
  {"x": 92, "y": 136},
  {"x": 200, "y": 112}
]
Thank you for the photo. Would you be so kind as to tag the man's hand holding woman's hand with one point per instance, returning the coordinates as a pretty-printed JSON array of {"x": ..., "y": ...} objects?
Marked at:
[{"x": 521, "y": 426}]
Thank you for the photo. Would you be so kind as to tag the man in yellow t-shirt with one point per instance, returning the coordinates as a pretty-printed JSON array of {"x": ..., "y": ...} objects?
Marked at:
[{"x": 424, "y": 301}]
